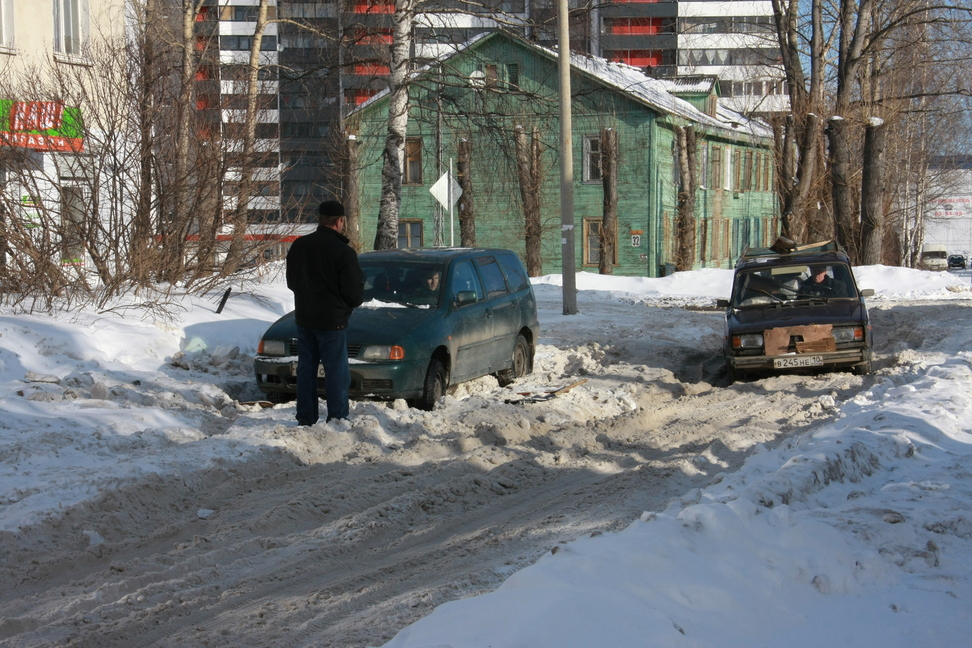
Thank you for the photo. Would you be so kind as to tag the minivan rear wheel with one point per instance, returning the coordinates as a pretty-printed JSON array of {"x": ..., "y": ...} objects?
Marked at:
[{"x": 521, "y": 364}]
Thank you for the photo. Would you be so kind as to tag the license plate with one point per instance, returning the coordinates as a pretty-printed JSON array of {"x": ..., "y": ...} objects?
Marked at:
[
  {"x": 791, "y": 362},
  {"x": 293, "y": 370}
]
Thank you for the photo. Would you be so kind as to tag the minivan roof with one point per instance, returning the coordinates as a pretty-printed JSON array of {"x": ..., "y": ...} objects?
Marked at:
[{"x": 439, "y": 254}]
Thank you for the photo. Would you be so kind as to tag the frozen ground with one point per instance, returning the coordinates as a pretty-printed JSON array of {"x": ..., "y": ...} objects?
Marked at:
[{"x": 144, "y": 503}]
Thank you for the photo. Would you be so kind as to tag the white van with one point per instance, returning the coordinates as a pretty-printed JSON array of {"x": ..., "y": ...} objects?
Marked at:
[{"x": 933, "y": 257}]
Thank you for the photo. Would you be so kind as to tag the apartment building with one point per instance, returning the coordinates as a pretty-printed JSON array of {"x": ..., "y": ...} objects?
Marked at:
[{"x": 43, "y": 136}]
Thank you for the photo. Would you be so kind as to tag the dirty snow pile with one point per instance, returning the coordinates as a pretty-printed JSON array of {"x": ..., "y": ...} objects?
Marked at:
[{"x": 857, "y": 533}]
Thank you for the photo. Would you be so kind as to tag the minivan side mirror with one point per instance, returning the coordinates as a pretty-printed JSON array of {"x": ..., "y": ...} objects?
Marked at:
[
  {"x": 867, "y": 292},
  {"x": 464, "y": 297},
  {"x": 722, "y": 303}
]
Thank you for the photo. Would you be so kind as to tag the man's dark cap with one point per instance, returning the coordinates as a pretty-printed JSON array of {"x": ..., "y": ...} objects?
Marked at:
[{"x": 331, "y": 209}]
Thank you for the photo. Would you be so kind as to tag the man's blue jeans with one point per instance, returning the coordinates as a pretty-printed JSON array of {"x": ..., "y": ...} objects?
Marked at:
[{"x": 329, "y": 348}]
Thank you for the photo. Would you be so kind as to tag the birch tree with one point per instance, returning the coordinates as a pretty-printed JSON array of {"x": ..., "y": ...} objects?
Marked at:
[{"x": 393, "y": 156}]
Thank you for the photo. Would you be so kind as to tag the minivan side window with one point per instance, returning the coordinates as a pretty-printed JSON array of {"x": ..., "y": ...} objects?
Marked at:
[
  {"x": 514, "y": 272},
  {"x": 464, "y": 277},
  {"x": 492, "y": 276}
]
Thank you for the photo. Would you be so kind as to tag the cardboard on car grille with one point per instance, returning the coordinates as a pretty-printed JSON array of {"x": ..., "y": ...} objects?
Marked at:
[{"x": 814, "y": 338}]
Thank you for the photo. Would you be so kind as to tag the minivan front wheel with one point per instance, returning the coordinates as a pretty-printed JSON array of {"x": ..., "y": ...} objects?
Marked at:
[
  {"x": 435, "y": 385},
  {"x": 521, "y": 363}
]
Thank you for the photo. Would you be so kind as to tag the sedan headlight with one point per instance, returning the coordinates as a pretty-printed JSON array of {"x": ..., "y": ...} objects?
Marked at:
[
  {"x": 848, "y": 333},
  {"x": 272, "y": 348},
  {"x": 376, "y": 352},
  {"x": 747, "y": 341}
]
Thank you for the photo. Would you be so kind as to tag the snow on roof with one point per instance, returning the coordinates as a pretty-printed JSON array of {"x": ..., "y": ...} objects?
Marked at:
[
  {"x": 626, "y": 78},
  {"x": 655, "y": 93},
  {"x": 694, "y": 83}
]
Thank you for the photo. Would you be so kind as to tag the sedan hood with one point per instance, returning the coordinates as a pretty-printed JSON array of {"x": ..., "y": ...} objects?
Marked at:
[
  {"x": 836, "y": 312},
  {"x": 371, "y": 325}
]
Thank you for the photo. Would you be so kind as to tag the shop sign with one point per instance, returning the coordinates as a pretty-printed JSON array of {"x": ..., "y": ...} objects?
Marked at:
[{"x": 41, "y": 125}]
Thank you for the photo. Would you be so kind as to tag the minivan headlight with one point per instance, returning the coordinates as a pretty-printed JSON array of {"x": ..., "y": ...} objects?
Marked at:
[
  {"x": 382, "y": 352},
  {"x": 848, "y": 333},
  {"x": 747, "y": 341},
  {"x": 272, "y": 348}
]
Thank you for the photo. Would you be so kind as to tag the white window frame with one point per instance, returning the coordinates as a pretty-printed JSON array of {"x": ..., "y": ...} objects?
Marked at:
[
  {"x": 70, "y": 27},
  {"x": 6, "y": 26}
]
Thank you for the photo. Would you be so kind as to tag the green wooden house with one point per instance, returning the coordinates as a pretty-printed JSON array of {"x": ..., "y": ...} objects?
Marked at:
[{"x": 478, "y": 96}]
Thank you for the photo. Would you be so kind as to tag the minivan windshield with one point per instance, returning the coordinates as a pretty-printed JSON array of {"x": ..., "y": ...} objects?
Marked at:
[
  {"x": 780, "y": 284},
  {"x": 393, "y": 283}
]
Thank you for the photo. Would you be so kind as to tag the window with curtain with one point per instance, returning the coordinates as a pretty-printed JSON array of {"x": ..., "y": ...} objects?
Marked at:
[{"x": 70, "y": 22}]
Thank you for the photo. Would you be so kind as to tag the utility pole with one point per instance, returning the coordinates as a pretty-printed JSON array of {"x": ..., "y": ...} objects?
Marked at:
[{"x": 566, "y": 164}]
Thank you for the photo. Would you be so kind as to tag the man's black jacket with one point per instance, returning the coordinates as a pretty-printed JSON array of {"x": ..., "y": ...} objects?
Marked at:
[{"x": 323, "y": 273}]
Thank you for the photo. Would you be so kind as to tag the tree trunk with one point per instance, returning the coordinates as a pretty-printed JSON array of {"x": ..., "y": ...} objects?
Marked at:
[
  {"x": 806, "y": 172},
  {"x": 234, "y": 256},
  {"x": 685, "y": 220},
  {"x": 393, "y": 157},
  {"x": 142, "y": 246},
  {"x": 609, "y": 219},
  {"x": 527, "y": 165},
  {"x": 845, "y": 218},
  {"x": 352, "y": 206},
  {"x": 467, "y": 215},
  {"x": 872, "y": 193},
  {"x": 172, "y": 221}
]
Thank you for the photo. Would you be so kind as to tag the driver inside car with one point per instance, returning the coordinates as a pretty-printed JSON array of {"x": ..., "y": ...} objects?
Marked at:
[{"x": 820, "y": 283}]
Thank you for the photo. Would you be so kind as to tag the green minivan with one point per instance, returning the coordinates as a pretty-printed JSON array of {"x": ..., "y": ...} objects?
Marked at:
[{"x": 431, "y": 318}]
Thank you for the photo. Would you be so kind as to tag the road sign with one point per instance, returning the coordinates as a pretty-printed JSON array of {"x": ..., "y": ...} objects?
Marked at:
[{"x": 446, "y": 188}]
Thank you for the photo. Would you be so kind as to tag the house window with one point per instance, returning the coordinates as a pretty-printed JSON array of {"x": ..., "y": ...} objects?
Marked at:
[
  {"x": 409, "y": 233},
  {"x": 6, "y": 24},
  {"x": 492, "y": 75},
  {"x": 704, "y": 166},
  {"x": 592, "y": 242},
  {"x": 513, "y": 75},
  {"x": 592, "y": 158},
  {"x": 70, "y": 26},
  {"x": 736, "y": 166},
  {"x": 413, "y": 161},
  {"x": 715, "y": 169},
  {"x": 72, "y": 222},
  {"x": 747, "y": 180}
]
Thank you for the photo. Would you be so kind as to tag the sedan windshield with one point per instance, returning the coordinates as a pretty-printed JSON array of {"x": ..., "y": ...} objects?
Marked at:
[
  {"x": 402, "y": 284},
  {"x": 782, "y": 284}
]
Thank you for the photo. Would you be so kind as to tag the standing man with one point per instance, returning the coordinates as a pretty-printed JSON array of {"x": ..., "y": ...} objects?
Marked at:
[{"x": 323, "y": 273}]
